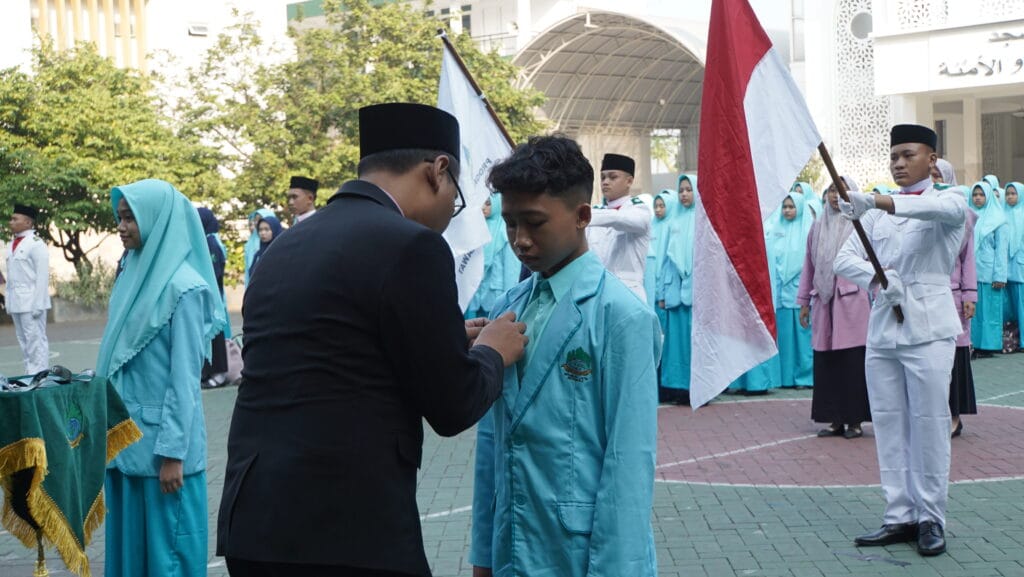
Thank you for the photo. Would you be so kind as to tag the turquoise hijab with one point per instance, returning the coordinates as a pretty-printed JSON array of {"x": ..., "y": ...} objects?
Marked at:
[
  {"x": 253, "y": 244},
  {"x": 993, "y": 181},
  {"x": 882, "y": 189},
  {"x": 787, "y": 239},
  {"x": 173, "y": 260},
  {"x": 680, "y": 246},
  {"x": 810, "y": 199},
  {"x": 496, "y": 226},
  {"x": 990, "y": 217},
  {"x": 660, "y": 229},
  {"x": 1015, "y": 218}
]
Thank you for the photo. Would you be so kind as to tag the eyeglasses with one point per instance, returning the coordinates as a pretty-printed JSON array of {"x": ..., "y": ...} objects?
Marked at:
[{"x": 460, "y": 200}]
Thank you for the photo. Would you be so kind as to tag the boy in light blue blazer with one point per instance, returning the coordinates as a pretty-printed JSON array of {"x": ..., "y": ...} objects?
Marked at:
[{"x": 565, "y": 457}]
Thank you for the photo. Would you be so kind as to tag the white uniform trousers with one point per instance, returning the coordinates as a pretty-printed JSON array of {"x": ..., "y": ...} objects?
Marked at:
[
  {"x": 908, "y": 388},
  {"x": 35, "y": 349}
]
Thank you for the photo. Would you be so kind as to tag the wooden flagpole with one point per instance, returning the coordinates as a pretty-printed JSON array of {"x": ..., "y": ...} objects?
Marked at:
[
  {"x": 476, "y": 87},
  {"x": 841, "y": 187}
]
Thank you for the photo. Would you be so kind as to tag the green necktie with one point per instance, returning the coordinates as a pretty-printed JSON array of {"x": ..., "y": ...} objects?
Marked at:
[{"x": 535, "y": 317}]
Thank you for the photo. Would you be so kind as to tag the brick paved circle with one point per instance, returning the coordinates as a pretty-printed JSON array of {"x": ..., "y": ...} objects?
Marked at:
[{"x": 772, "y": 442}]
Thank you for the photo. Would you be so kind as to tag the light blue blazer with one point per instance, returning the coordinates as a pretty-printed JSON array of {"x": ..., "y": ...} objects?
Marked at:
[
  {"x": 565, "y": 459},
  {"x": 160, "y": 389}
]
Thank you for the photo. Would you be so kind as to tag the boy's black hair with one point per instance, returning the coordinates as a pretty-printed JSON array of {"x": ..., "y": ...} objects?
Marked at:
[
  {"x": 546, "y": 164},
  {"x": 401, "y": 161}
]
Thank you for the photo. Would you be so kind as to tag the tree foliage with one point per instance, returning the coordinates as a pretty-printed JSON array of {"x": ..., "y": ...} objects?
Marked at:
[
  {"x": 75, "y": 126},
  {"x": 273, "y": 115}
]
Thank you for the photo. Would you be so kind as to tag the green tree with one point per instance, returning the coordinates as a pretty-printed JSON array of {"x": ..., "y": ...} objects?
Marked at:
[
  {"x": 74, "y": 127},
  {"x": 272, "y": 116},
  {"x": 811, "y": 172}
]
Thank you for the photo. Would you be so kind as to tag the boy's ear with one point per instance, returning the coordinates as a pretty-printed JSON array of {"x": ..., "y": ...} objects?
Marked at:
[{"x": 583, "y": 215}]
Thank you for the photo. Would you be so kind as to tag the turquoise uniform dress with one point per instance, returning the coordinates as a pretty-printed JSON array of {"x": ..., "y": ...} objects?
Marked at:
[
  {"x": 991, "y": 252},
  {"x": 1014, "y": 306},
  {"x": 164, "y": 309},
  {"x": 788, "y": 240},
  {"x": 656, "y": 250},
  {"x": 565, "y": 458},
  {"x": 676, "y": 291},
  {"x": 501, "y": 267}
]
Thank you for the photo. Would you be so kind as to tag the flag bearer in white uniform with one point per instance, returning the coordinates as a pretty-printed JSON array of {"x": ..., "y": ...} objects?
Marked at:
[
  {"x": 28, "y": 288},
  {"x": 621, "y": 229},
  {"x": 916, "y": 235}
]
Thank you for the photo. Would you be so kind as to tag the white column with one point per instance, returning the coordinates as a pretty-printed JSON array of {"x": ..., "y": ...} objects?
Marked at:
[{"x": 972, "y": 140}]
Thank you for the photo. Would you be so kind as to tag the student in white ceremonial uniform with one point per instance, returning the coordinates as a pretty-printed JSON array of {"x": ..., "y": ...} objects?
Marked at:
[
  {"x": 621, "y": 229},
  {"x": 28, "y": 288},
  {"x": 916, "y": 235},
  {"x": 302, "y": 198}
]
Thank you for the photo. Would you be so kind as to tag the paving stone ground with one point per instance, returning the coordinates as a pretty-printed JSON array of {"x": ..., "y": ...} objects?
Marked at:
[{"x": 743, "y": 488}]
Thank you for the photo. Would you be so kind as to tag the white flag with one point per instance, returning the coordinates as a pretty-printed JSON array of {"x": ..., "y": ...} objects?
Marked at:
[{"x": 483, "y": 145}]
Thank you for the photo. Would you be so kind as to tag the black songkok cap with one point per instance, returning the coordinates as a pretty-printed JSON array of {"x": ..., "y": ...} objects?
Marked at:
[
  {"x": 618, "y": 162},
  {"x": 404, "y": 126},
  {"x": 28, "y": 211},
  {"x": 305, "y": 184},
  {"x": 904, "y": 133}
]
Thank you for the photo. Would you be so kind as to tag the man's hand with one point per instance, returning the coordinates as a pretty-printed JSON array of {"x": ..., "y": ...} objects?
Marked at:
[
  {"x": 505, "y": 335},
  {"x": 805, "y": 316},
  {"x": 473, "y": 328},
  {"x": 968, "y": 310},
  {"x": 37, "y": 314},
  {"x": 481, "y": 571},
  {"x": 893, "y": 294},
  {"x": 858, "y": 205},
  {"x": 171, "y": 477}
]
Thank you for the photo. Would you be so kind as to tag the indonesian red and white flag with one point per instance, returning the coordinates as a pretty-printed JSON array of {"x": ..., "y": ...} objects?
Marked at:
[{"x": 756, "y": 134}]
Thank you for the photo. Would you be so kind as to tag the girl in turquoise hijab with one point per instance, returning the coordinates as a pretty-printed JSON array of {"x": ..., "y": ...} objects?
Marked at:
[
  {"x": 164, "y": 310},
  {"x": 675, "y": 293},
  {"x": 787, "y": 238},
  {"x": 811, "y": 200},
  {"x": 991, "y": 251},
  {"x": 993, "y": 181},
  {"x": 1015, "y": 253},
  {"x": 881, "y": 189},
  {"x": 664, "y": 203},
  {"x": 253, "y": 244},
  {"x": 501, "y": 267}
]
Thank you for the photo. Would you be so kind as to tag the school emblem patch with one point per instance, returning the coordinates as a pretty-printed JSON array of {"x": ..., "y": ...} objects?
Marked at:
[
  {"x": 75, "y": 424},
  {"x": 578, "y": 365}
]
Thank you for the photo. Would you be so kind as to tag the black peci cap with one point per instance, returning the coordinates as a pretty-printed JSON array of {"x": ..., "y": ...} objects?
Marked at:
[
  {"x": 29, "y": 211},
  {"x": 304, "y": 183},
  {"x": 402, "y": 125},
  {"x": 904, "y": 133},
  {"x": 618, "y": 162}
]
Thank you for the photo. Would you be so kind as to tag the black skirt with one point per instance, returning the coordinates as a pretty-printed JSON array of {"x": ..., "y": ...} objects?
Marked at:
[
  {"x": 840, "y": 387},
  {"x": 961, "y": 388},
  {"x": 218, "y": 362}
]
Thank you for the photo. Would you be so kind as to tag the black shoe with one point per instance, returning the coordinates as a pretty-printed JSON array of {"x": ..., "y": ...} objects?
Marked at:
[
  {"x": 931, "y": 539},
  {"x": 853, "y": 433},
  {"x": 889, "y": 534},
  {"x": 833, "y": 431},
  {"x": 958, "y": 430}
]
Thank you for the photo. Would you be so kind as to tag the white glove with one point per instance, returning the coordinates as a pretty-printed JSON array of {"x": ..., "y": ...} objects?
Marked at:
[
  {"x": 858, "y": 205},
  {"x": 893, "y": 294},
  {"x": 37, "y": 314}
]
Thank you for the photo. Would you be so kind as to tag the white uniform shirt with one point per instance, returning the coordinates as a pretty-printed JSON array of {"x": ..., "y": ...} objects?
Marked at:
[
  {"x": 619, "y": 236},
  {"x": 301, "y": 217},
  {"x": 920, "y": 242},
  {"x": 28, "y": 275}
]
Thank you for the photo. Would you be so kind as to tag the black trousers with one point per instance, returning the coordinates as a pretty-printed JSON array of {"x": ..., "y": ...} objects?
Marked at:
[{"x": 245, "y": 568}]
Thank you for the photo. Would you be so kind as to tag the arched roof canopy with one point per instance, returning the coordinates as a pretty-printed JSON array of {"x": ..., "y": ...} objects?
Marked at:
[{"x": 613, "y": 73}]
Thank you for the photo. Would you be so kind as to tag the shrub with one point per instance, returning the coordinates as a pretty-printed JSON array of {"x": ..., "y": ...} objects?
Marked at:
[{"x": 90, "y": 286}]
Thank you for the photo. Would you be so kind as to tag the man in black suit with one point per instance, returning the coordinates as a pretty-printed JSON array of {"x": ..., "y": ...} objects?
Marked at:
[{"x": 353, "y": 335}]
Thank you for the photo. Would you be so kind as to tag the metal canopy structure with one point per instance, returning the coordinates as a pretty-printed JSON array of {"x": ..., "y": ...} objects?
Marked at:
[{"x": 611, "y": 73}]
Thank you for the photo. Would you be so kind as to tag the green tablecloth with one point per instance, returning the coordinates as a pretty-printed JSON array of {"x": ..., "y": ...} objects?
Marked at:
[{"x": 55, "y": 443}]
